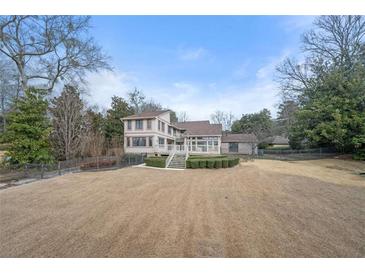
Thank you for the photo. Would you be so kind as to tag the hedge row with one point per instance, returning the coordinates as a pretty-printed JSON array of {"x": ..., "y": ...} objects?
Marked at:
[
  {"x": 211, "y": 162},
  {"x": 155, "y": 161},
  {"x": 207, "y": 157}
]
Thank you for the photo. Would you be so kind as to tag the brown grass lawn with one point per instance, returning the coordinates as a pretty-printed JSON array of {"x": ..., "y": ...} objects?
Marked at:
[{"x": 258, "y": 209}]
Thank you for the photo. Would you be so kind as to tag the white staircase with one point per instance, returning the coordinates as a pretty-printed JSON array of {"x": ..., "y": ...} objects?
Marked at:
[{"x": 177, "y": 161}]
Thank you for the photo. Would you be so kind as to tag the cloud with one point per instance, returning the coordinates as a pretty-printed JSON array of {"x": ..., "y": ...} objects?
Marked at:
[
  {"x": 241, "y": 72},
  {"x": 101, "y": 86},
  {"x": 297, "y": 23},
  {"x": 198, "y": 99},
  {"x": 192, "y": 54},
  {"x": 267, "y": 71}
]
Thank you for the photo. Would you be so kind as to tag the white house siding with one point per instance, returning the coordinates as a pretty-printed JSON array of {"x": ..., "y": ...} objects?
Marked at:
[
  {"x": 243, "y": 148},
  {"x": 178, "y": 139}
]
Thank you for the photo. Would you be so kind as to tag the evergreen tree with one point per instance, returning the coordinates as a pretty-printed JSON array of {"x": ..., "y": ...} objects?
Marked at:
[
  {"x": 259, "y": 123},
  {"x": 29, "y": 130},
  {"x": 113, "y": 127}
]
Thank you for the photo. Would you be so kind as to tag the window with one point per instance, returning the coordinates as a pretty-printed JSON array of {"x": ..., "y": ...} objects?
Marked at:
[
  {"x": 149, "y": 124},
  {"x": 139, "y": 141},
  {"x": 128, "y": 142},
  {"x": 139, "y": 124},
  {"x": 161, "y": 141},
  {"x": 129, "y": 122},
  {"x": 169, "y": 129},
  {"x": 159, "y": 125},
  {"x": 163, "y": 126},
  {"x": 233, "y": 147},
  {"x": 150, "y": 141}
]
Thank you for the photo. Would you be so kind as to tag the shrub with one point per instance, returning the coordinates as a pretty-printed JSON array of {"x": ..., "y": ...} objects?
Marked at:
[
  {"x": 224, "y": 163},
  {"x": 102, "y": 164},
  {"x": 206, "y": 156},
  {"x": 202, "y": 163},
  {"x": 188, "y": 163},
  {"x": 194, "y": 163},
  {"x": 218, "y": 163},
  {"x": 155, "y": 161},
  {"x": 359, "y": 155},
  {"x": 263, "y": 145},
  {"x": 233, "y": 161},
  {"x": 210, "y": 163}
]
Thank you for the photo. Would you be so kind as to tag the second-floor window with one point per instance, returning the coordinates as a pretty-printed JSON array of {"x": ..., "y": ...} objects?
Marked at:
[
  {"x": 169, "y": 130},
  {"x": 162, "y": 126},
  {"x": 149, "y": 124},
  {"x": 129, "y": 124},
  {"x": 139, "y": 124},
  {"x": 159, "y": 125}
]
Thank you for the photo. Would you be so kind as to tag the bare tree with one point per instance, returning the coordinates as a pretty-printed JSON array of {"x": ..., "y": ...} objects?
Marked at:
[
  {"x": 338, "y": 39},
  {"x": 67, "y": 114},
  {"x": 334, "y": 42},
  {"x": 93, "y": 143},
  {"x": 8, "y": 89},
  {"x": 46, "y": 49},
  {"x": 136, "y": 100},
  {"x": 182, "y": 116},
  {"x": 151, "y": 105},
  {"x": 224, "y": 118}
]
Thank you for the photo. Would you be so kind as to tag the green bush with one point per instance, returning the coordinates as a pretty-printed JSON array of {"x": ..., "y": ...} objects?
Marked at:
[
  {"x": 202, "y": 163},
  {"x": 224, "y": 163},
  {"x": 188, "y": 163},
  {"x": 206, "y": 156},
  {"x": 155, "y": 161},
  {"x": 359, "y": 155},
  {"x": 263, "y": 145},
  {"x": 194, "y": 163},
  {"x": 210, "y": 163},
  {"x": 218, "y": 163},
  {"x": 233, "y": 161}
]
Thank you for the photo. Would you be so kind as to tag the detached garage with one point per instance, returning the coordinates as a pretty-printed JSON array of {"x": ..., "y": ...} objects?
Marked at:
[{"x": 239, "y": 143}]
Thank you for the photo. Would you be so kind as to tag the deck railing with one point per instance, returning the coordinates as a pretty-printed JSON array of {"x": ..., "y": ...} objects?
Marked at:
[{"x": 185, "y": 148}]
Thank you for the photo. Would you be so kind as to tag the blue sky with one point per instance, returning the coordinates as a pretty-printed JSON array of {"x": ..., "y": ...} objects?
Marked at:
[{"x": 196, "y": 64}]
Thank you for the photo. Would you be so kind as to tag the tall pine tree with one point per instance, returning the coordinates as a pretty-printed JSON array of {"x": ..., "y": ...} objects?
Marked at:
[{"x": 29, "y": 129}]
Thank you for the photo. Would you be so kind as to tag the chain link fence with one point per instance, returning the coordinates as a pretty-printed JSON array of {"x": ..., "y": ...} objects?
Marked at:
[
  {"x": 295, "y": 155},
  {"x": 20, "y": 174}
]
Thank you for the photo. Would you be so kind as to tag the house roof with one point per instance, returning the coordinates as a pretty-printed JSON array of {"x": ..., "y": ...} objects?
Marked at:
[
  {"x": 146, "y": 114},
  {"x": 277, "y": 140},
  {"x": 239, "y": 138},
  {"x": 200, "y": 128}
]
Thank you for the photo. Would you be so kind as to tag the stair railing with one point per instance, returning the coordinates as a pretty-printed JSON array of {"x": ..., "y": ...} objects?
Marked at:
[{"x": 170, "y": 157}]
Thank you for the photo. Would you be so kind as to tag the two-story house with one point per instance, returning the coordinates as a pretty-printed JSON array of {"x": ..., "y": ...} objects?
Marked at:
[{"x": 153, "y": 133}]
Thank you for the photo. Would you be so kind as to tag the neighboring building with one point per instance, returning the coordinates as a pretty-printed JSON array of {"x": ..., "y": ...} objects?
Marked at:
[
  {"x": 239, "y": 143},
  {"x": 277, "y": 141},
  {"x": 153, "y": 133}
]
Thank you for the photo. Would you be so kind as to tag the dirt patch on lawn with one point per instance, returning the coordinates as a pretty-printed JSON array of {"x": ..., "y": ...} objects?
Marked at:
[{"x": 258, "y": 209}]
